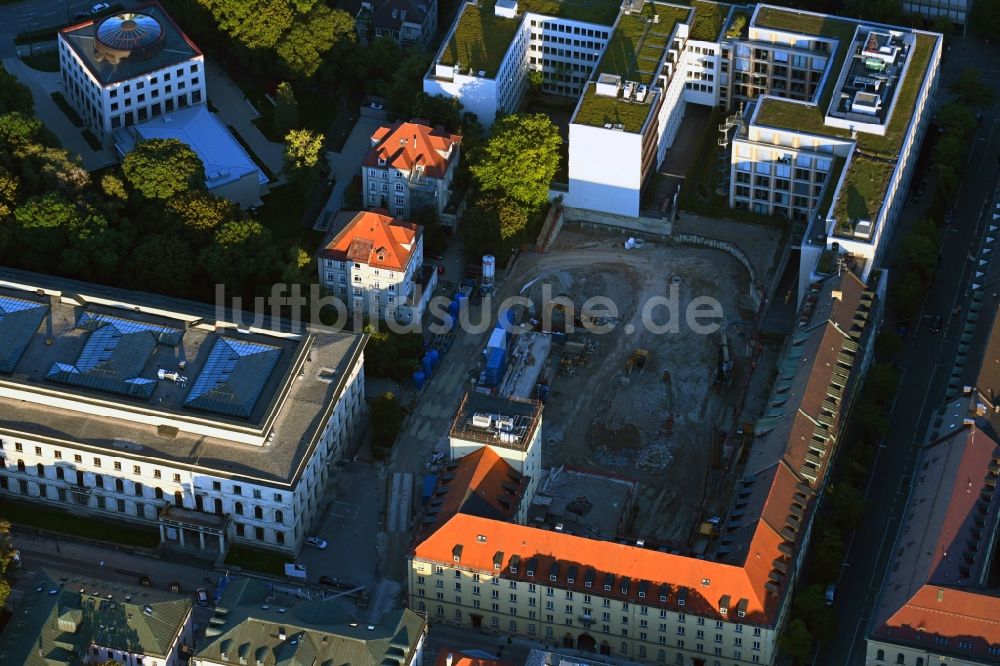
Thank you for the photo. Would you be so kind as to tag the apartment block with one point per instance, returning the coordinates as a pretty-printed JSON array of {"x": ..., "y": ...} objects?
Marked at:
[
  {"x": 129, "y": 67},
  {"x": 826, "y": 114},
  {"x": 405, "y": 22},
  {"x": 65, "y": 619},
  {"x": 375, "y": 265},
  {"x": 957, "y": 11},
  {"x": 165, "y": 414},
  {"x": 410, "y": 167},
  {"x": 477, "y": 564}
]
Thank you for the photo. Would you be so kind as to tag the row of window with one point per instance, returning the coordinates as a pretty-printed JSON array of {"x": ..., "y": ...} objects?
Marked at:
[
  {"x": 575, "y": 30},
  {"x": 153, "y": 80},
  {"x": 97, "y": 462}
]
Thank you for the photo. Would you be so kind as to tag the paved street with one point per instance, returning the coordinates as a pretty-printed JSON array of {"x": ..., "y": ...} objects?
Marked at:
[{"x": 926, "y": 361}]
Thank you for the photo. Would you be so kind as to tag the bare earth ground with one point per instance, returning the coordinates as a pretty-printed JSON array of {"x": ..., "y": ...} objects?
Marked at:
[{"x": 636, "y": 424}]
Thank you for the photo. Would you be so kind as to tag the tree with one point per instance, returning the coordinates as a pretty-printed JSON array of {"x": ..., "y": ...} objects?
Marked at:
[
  {"x": 847, "y": 505},
  {"x": 113, "y": 187},
  {"x": 162, "y": 263},
  {"x": 883, "y": 11},
  {"x": 6, "y": 558},
  {"x": 796, "y": 641},
  {"x": 161, "y": 168},
  {"x": 9, "y": 189},
  {"x": 984, "y": 18},
  {"x": 810, "y": 606},
  {"x": 908, "y": 295},
  {"x": 956, "y": 118},
  {"x": 286, "y": 109},
  {"x": 827, "y": 554},
  {"x": 299, "y": 269},
  {"x": 882, "y": 382},
  {"x": 241, "y": 256},
  {"x": 971, "y": 90},
  {"x": 303, "y": 150},
  {"x": 392, "y": 355},
  {"x": 386, "y": 418},
  {"x": 14, "y": 95},
  {"x": 200, "y": 212},
  {"x": 520, "y": 160},
  {"x": 311, "y": 36}
]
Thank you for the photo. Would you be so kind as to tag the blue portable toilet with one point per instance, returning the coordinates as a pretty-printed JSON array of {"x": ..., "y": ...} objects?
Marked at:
[
  {"x": 419, "y": 378},
  {"x": 453, "y": 307},
  {"x": 428, "y": 364},
  {"x": 434, "y": 356}
]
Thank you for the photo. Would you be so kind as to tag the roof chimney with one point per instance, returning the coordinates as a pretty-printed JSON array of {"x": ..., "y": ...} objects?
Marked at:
[
  {"x": 449, "y": 659},
  {"x": 414, "y": 141}
]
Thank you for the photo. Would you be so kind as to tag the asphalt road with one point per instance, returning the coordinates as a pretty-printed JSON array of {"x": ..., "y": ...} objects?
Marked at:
[{"x": 926, "y": 360}]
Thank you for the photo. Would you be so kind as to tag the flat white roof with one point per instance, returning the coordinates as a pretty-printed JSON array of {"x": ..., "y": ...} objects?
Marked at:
[{"x": 224, "y": 158}]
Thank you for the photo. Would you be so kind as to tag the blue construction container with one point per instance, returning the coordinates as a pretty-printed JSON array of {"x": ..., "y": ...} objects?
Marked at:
[
  {"x": 453, "y": 307},
  {"x": 427, "y": 364},
  {"x": 496, "y": 367},
  {"x": 419, "y": 378},
  {"x": 430, "y": 480},
  {"x": 434, "y": 357}
]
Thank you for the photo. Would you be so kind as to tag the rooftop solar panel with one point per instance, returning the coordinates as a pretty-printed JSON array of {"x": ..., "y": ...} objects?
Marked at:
[
  {"x": 233, "y": 377},
  {"x": 115, "y": 354},
  {"x": 19, "y": 319}
]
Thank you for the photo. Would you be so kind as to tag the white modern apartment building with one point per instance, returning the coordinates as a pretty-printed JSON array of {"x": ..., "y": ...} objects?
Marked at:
[
  {"x": 843, "y": 104},
  {"x": 410, "y": 167},
  {"x": 129, "y": 67},
  {"x": 955, "y": 10},
  {"x": 375, "y": 265},
  {"x": 170, "y": 414}
]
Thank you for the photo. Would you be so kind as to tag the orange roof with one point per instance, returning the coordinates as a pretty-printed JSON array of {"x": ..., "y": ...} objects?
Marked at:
[
  {"x": 375, "y": 239},
  {"x": 629, "y": 573},
  {"x": 404, "y": 146},
  {"x": 459, "y": 658},
  {"x": 481, "y": 484}
]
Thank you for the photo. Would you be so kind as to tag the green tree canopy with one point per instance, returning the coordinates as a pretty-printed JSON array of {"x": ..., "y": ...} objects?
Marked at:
[
  {"x": 6, "y": 558},
  {"x": 200, "y": 212},
  {"x": 286, "y": 109},
  {"x": 14, "y": 95},
  {"x": 242, "y": 256},
  {"x": 385, "y": 419},
  {"x": 796, "y": 641},
  {"x": 972, "y": 90},
  {"x": 160, "y": 255},
  {"x": 520, "y": 160},
  {"x": 984, "y": 18},
  {"x": 161, "y": 168},
  {"x": 302, "y": 158}
]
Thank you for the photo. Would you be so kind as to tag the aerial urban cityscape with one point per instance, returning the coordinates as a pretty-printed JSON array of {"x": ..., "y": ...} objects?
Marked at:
[{"x": 499, "y": 332}]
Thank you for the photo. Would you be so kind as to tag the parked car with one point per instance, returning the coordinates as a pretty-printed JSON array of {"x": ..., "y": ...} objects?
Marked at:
[
  {"x": 174, "y": 587},
  {"x": 316, "y": 542},
  {"x": 100, "y": 7},
  {"x": 333, "y": 582},
  {"x": 377, "y": 106},
  {"x": 935, "y": 326},
  {"x": 831, "y": 591},
  {"x": 202, "y": 596},
  {"x": 144, "y": 581}
]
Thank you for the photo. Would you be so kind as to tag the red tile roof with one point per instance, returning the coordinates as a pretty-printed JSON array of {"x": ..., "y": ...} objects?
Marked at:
[
  {"x": 375, "y": 239},
  {"x": 482, "y": 484},
  {"x": 459, "y": 658},
  {"x": 403, "y": 146},
  {"x": 482, "y": 543},
  {"x": 932, "y": 590}
]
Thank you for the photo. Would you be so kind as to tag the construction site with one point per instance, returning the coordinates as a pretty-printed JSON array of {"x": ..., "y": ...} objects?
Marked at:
[{"x": 661, "y": 415}]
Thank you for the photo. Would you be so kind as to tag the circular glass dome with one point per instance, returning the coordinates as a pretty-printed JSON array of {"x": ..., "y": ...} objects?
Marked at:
[{"x": 129, "y": 32}]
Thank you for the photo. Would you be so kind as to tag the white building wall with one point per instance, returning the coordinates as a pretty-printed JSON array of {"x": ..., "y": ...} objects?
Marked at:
[
  {"x": 112, "y": 478},
  {"x": 605, "y": 170},
  {"x": 104, "y": 108},
  {"x": 378, "y": 292}
]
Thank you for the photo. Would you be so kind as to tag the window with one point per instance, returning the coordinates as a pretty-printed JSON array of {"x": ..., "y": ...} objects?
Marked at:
[
  {"x": 118, "y": 466},
  {"x": 157, "y": 474},
  {"x": 177, "y": 478}
]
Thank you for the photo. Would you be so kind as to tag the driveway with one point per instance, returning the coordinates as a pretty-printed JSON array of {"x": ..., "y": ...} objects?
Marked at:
[
  {"x": 345, "y": 165},
  {"x": 235, "y": 110}
]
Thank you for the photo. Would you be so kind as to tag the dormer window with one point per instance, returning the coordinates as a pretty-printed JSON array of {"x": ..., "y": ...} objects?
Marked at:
[{"x": 381, "y": 161}]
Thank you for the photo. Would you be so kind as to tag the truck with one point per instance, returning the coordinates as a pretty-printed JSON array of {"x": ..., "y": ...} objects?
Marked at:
[{"x": 293, "y": 570}]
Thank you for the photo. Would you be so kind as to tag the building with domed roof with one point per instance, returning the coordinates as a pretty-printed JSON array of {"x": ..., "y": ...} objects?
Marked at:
[{"x": 130, "y": 67}]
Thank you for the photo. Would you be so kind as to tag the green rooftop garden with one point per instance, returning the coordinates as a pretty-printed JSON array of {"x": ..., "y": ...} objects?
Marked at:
[
  {"x": 480, "y": 39},
  {"x": 602, "y": 12},
  {"x": 738, "y": 24},
  {"x": 636, "y": 46},
  {"x": 708, "y": 19},
  {"x": 598, "y": 110},
  {"x": 863, "y": 193},
  {"x": 868, "y": 173}
]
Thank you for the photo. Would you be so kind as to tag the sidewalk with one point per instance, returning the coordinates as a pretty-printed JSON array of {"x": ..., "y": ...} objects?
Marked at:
[
  {"x": 235, "y": 110},
  {"x": 42, "y": 85},
  {"x": 345, "y": 165}
]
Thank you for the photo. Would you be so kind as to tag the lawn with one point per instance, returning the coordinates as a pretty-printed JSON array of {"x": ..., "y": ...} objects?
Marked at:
[
  {"x": 43, "y": 61},
  {"x": 598, "y": 110},
  {"x": 45, "y": 518},
  {"x": 708, "y": 18},
  {"x": 261, "y": 561}
]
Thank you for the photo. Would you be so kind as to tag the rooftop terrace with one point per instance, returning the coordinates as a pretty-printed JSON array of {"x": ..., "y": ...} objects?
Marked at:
[{"x": 867, "y": 178}]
